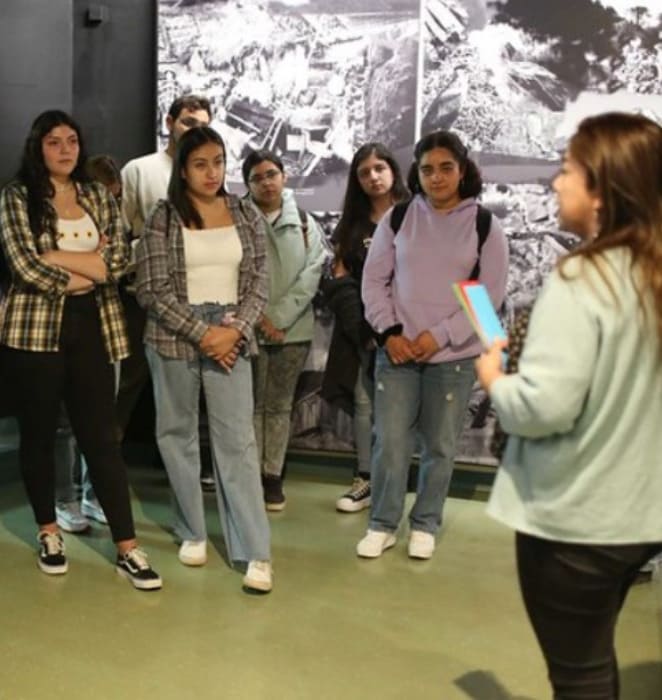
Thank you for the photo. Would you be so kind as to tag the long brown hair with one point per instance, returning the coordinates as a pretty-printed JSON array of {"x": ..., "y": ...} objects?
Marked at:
[{"x": 622, "y": 156}]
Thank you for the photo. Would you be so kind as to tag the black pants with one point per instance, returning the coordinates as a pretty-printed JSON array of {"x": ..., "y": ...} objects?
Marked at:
[
  {"x": 573, "y": 594},
  {"x": 80, "y": 375},
  {"x": 134, "y": 373}
]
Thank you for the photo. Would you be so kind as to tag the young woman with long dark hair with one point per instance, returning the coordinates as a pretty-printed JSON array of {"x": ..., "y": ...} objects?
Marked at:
[
  {"x": 202, "y": 277},
  {"x": 424, "y": 368},
  {"x": 580, "y": 481},
  {"x": 374, "y": 185},
  {"x": 63, "y": 329}
]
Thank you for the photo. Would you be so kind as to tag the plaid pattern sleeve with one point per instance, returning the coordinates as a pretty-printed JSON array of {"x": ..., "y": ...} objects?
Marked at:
[
  {"x": 20, "y": 247},
  {"x": 253, "y": 275},
  {"x": 35, "y": 302},
  {"x": 116, "y": 253},
  {"x": 171, "y": 329}
]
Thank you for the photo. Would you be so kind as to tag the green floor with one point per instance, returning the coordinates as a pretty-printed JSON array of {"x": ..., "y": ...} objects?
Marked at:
[{"x": 335, "y": 626}]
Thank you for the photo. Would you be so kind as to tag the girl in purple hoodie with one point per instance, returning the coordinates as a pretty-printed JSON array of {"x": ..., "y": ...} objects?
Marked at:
[{"x": 424, "y": 367}]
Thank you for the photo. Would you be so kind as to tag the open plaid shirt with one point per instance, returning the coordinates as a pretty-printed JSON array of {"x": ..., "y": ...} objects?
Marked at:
[
  {"x": 172, "y": 329},
  {"x": 35, "y": 301}
]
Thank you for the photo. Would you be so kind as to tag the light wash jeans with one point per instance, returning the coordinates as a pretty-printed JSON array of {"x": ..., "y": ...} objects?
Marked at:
[
  {"x": 429, "y": 400},
  {"x": 276, "y": 372},
  {"x": 229, "y": 398},
  {"x": 363, "y": 414}
]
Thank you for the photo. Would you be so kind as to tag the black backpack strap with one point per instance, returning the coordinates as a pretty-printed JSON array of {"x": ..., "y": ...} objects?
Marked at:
[
  {"x": 304, "y": 226},
  {"x": 397, "y": 215},
  {"x": 483, "y": 225}
]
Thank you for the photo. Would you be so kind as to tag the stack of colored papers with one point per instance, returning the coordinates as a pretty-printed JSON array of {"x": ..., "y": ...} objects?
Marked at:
[{"x": 475, "y": 301}]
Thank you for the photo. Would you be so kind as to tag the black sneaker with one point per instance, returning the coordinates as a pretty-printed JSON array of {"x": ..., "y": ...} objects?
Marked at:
[
  {"x": 274, "y": 498},
  {"x": 356, "y": 499},
  {"x": 51, "y": 553},
  {"x": 134, "y": 566}
]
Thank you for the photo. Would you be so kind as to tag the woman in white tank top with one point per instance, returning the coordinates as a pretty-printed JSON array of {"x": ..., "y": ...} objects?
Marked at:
[{"x": 201, "y": 275}]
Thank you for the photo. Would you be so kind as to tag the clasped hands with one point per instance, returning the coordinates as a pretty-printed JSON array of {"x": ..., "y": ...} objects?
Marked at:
[
  {"x": 222, "y": 344},
  {"x": 401, "y": 349}
]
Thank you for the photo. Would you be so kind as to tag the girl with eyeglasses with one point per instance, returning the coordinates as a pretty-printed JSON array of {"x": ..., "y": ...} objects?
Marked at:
[{"x": 295, "y": 254}]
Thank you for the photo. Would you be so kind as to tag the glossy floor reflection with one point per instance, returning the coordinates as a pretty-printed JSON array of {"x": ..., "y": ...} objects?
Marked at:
[{"x": 335, "y": 626}]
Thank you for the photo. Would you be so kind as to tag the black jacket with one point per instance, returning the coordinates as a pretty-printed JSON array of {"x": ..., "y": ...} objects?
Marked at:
[{"x": 350, "y": 332}]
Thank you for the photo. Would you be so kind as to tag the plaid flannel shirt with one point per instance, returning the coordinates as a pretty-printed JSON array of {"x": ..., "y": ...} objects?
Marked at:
[
  {"x": 35, "y": 300},
  {"x": 172, "y": 329}
]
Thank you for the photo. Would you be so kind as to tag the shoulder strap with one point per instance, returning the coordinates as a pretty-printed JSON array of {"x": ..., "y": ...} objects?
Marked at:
[
  {"x": 483, "y": 225},
  {"x": 397, "y": 215},
  {"x": 304, "y": 226}
]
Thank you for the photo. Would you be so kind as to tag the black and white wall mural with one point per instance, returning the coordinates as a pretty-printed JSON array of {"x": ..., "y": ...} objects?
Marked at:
[{"x": 314, "y": 80}]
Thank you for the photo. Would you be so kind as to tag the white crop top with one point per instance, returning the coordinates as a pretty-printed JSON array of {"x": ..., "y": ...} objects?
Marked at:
[
  {"x": 77, "y": 235},
  {"x": 212, "y": 259}
]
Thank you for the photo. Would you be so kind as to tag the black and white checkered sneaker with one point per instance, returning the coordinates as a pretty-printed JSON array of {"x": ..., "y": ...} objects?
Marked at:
[
  {"x": 133, "y": 565},
  {"x": 356, "y": 499}
]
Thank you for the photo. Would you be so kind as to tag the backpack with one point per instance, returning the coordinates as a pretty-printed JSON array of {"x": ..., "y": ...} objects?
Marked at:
[
  {"x": 483, "y": 224},
  {"x": 304, "y": 227}
]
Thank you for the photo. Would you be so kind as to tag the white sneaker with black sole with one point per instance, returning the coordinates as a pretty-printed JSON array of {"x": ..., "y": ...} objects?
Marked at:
[
  {"x": 133, "y": 565},
  {"x": 375, "y": 543},
  {"x": 357, "y": 498},
  {"x": 52, "y": 559}
]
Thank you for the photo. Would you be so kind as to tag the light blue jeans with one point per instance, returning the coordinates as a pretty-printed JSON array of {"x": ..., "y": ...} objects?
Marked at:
[
  {"x": 429, "y": 400},
  {"x": 229, "y": 398},
  {"x": 363, "y": 414}
]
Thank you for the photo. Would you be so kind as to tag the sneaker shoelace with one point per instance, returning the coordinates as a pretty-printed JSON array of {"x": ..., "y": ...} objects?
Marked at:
[
  {"x": 53, "y": 543},
  {"x": 359, "y": 488},
  {"x": 137, "y": 557}
]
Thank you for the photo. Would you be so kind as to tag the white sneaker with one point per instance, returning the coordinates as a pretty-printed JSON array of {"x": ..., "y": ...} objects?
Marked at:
[
  {"x": 93, "y": 509},
  {"x": 421, "y": 544},
  {"x": 374, "y": 543},
  {"x": 258, "y": 578},
  {"x": 69, "y": 517},
  {"x": 193, "y": 553}
]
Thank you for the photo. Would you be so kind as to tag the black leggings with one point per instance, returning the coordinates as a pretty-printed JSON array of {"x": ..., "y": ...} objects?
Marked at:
[
  {"x": 573, "y": 594},
  {"x": 80, "y": 375}
]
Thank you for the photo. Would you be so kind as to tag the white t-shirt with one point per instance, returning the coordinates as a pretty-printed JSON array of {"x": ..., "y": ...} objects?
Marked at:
[
  {"x": 77, "y": 235},
  {"x": 212, "y": 259},
  {"x": 144, "y": 181}
]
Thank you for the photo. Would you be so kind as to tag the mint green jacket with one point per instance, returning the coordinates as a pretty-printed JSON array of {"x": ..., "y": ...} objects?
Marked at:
[
  {"x": 584, "y": 463},
  {"x": 294, "y": 272}
]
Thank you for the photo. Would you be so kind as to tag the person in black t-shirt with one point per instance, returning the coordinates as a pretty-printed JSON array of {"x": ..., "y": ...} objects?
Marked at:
[{"x": 374, "y": 185}]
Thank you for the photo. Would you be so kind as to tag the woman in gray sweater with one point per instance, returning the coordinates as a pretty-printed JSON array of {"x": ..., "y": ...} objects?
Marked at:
[{"x": 580, "y": 480}]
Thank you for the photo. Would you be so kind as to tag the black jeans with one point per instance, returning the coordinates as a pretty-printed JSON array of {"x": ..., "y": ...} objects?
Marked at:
[
  {"x": 573, "y": 594},
  {"x": 81, "y": 375},
  {"x": 134, "y": 373}
]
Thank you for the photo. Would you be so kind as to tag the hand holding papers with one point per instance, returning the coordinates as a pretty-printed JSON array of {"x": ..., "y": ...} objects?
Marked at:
[{"x": 475, "y": 301}]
